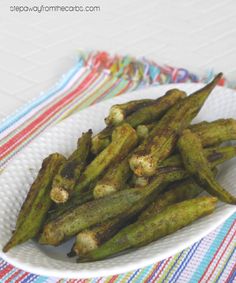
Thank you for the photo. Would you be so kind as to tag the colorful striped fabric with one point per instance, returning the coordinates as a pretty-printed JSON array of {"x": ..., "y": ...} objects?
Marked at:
[{"x": 96, "y": 77}]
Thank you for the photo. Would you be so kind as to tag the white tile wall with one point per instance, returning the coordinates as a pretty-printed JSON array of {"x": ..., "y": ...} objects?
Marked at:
[{"x": 35, "y": 49}]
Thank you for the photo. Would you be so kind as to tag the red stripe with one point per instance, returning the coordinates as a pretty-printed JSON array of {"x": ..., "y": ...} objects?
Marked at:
[
  {"x": 47, "y": 112},
  {"x": 222, "y": 254},
  {"x": 150, "y": 276},
  {"x": 12, "y": 143},
  {"x": 22, "y": 277},
  {"x": 221, "y": 244},
  {"x": 12, "y": 276},
  {"x": 113, "y": 278},
  {"x": 158, "y": 274},
  {"x": 231, "y": 273},
  {"x": 6, "y": 270}
]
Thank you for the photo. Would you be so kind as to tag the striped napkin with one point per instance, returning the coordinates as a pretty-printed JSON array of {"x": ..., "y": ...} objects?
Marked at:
[{"x": 95, "y": 77}]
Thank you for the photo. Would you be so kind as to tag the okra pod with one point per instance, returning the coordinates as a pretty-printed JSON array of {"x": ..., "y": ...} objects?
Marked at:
[
  {"x": 210, "y": 133},
  {"x": 195, "y": 162},
  {"x": 216, "y": 132},
  {"x": 37, "y": 202},
  {"x": 64, "y": 207},
  {"x": 114, "y": 179},
  {"x": 93, "y": 212},
  {"x": 144, "y": 115},
  {"x": 119, "y": 112},
  {"x": 94, "y": 237},
  {"x": 164, "y": 135},
  {"x": 124, "y": 139},
  {"x": 166, "y": 222},
  {"x": 215, "y": 156},
  {"x": 64, "y": 181},
  {"x": 91, "y": 239},
  {"x": 177, "y": 192}
]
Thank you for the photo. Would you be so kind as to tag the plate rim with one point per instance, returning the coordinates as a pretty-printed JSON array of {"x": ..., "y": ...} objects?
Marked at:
[{"x": 83, "y": 273}]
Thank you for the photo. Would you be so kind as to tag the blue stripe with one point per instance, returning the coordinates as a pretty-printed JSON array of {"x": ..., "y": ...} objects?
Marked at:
[
  {"x": 186, "y": 260},
  {"x": 11, "y": 120},
  {"x": 173, "y": 266},
  {"x": 212, "y": 249},
  {"x": 217, "y": 279},
  {"x": 35, "y": 279},
  {"x": 231, "y": 279},
  {"x": 133, "y": 275}
]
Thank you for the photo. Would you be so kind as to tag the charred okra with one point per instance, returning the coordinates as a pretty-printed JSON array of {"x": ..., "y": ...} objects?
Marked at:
[
  {"x": 216, "y": 132},
  {"x": 195, "y": 162},
  {"x": 119, "y": 112},
  {"x": 114, "y": 179},
  {"x": 140, "y": 233},
  {"x": 124, "y": 139},
  {"x": 144, "y": 115},
  {"x": 93, "y": 212},
  {"x": 64, "y": 182},
  {"x": 164, "y": 135},
  {"x": 37, "y": 203}
]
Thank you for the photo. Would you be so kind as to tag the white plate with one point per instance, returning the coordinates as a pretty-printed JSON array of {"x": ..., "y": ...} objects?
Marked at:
[{"x": 16, "y": 179}]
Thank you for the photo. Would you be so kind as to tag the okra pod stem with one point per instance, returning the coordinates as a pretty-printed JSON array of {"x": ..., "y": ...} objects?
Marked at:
[
  {"x": 141, "y": 233},
  {"x": 195, "y": 162},
  {"x": 92, "y": 238},
  {"x": 37, "y": 203},
  {"x": 64, "y": 181},
  {"x": 114, "y": 180},
  {"x": 164, "y": 135},
  {"x": 119, "y": 112},
  {"x": 144, "y": 130}
]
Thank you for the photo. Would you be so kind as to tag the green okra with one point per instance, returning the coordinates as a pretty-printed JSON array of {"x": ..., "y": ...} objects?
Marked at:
[
  {"x": 216, "y": 132},
  {"x": 37, "y": 203},
  {"x": 64, "y": 182},
  {"x": 163, "y": 137},
  {"x": 96, "y": 211},
  {"x": 144, "y": 115},
  {"x": 210, "y": 133},
  {"x": 215, "y": 156},
  {"x": 92, "y": 238},
  {"x": 119, "y": 112},
  {"x": 60, "y": 209},
  {"x": 114, "y": 179},
  {"x": 177, "y": 192},
  {"x": 195, "y": 162},
  {"x": 124, "y": 139},
  {"x": 166, "y": 222}
]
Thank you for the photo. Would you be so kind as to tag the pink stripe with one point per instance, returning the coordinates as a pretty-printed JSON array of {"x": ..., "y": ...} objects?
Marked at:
[
  {"x": 218, "y": 250},
  {"x": 113, "y": 278},
  {"x": 162, "y": 268},
  {"x": 216, "y": 265},
  {"x": 12, "y": 143},
  {"x": 22, "y": 277},
  {"x": 231, "y": 273},
  {"x": 6, "y": 270},
  {"x": 12, "y": 276}
]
